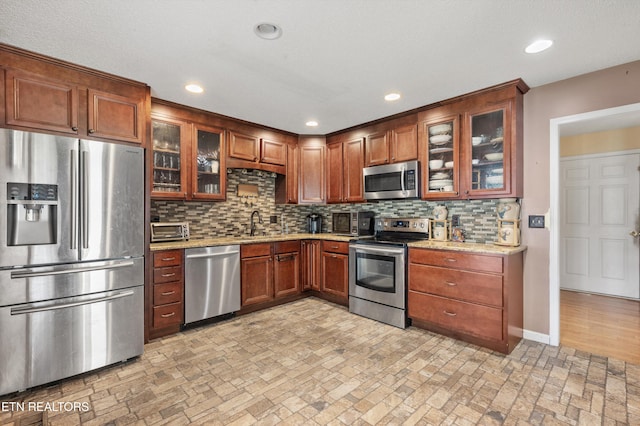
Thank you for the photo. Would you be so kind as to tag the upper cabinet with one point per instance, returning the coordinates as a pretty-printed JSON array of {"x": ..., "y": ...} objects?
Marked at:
[
  {"x": 208, "y": 170},
  {"x": 247, "y": 151},
  {"x": 45, "y": 94},
  {"x": 345, "y": 161},
  {"x": 170, "y": 145},
  {"x": 442, "y": 136},
  {"x": 312, "y": 152},
  {"x": 394, "y": 145}
]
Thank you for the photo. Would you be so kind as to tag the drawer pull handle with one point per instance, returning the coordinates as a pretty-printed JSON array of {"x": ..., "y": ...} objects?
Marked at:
[
  {"x": 451, "y": 314},
  {"x": 168, "y": 315},
  {"x": 168, "y": 293},
  {"x": 166, "y": 259},
  {"x": 449, "y": 259},
  {"x": 450, "y": 284},
  {"x": 169, "y": 275}
]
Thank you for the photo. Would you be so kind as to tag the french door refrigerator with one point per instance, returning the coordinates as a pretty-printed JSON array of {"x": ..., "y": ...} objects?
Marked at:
[{"x": 71, "y": 257}]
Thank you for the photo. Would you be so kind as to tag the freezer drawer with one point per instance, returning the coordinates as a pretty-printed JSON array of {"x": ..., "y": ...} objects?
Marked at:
[
  {"x": 47, "y": 341},
  {"x": 212, "y": 282}
]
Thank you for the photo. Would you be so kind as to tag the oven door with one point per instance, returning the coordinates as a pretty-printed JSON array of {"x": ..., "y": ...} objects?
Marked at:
[{"x": 377, "y": 273}]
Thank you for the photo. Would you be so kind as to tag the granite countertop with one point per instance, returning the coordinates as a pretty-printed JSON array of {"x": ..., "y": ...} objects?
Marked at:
[{"x": 430, "y": 244}]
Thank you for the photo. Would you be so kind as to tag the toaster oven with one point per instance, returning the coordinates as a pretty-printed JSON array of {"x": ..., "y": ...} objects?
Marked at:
[{"x": 169, "y": 231}]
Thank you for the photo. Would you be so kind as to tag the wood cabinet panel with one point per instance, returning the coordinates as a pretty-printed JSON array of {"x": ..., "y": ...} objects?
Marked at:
[
  {"x": 458, "y": 260},
  {"x": 311, "y": 276},
  {"x": 167, "y": 258},
  {"x": 273, "y": 152},
  {"x": 476, "y": 320},
  {"x": 286, "y": 246},
  {"x": 254, "y": 250},
  {"x": 286, "y": 274},
  {"x": 168, "y": 315},
  {"x": 115, "y": 117},
  {"x": 244, "y": 147},
  {"x": 256, "y": 279},
  {"x": 33, "y": 101},
  {"x": 312, "y": 174},
  {"x": 170, "y": 273},
  {"x": 353, "y": 163},
  {"x": 335, "y": 184},
  {"x": 166, "y": 293},
  {"x": 335, "y": 246},
  {"x": 377, "y": 149},
  {"x": 464, "y": 285},
  {"x": 404, "y": 143},
  {"x": 335, "y": 275},
  {"x": 166, "y": 296}
]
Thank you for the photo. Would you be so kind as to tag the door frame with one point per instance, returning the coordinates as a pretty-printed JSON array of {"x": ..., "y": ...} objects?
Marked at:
[{"x": 555, "y": 130}]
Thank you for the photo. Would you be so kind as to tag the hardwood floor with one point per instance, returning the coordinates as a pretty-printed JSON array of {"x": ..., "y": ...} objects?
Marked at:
[{"x": 601, "y": 325}]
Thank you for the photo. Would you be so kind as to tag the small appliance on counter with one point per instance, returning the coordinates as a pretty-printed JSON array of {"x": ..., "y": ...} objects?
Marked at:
[
  {"x": 314, "y": 223},
  {"x": 353, "y": 223},
  {"x": 169, "y": 231}
]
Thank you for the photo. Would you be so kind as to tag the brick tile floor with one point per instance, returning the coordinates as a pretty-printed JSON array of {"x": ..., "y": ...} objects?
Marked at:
[{"x": 312, "y": 362}]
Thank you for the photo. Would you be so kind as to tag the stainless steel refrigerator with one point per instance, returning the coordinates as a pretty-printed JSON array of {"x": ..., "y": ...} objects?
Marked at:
[{"x": 71, "y": 257}]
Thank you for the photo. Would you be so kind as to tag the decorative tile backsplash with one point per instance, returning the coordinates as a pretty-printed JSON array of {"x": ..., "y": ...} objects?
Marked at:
[{"x": 232, "y": 217}]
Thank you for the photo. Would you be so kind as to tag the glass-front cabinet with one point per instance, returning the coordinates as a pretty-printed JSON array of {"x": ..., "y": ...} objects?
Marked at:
[
  {"x": 488, "y": 151},
  {"x": 169, "y": 171},
  {"x": 208, "y": 176},
  {"x": 441, "y": 180}
]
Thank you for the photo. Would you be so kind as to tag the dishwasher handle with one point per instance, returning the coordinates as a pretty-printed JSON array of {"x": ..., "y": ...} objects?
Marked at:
[{"x": 205, "y": 255}]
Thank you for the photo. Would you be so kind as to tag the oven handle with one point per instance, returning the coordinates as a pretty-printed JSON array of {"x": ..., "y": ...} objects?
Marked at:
[
  {"x": 402, "y": 183},
  {"x": 387, "y": 251},
  {"x": 30, "y": 310}
]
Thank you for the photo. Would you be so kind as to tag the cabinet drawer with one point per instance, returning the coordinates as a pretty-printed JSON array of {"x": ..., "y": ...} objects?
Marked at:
[
  {"x": 287, "y": 246},
  {"x": 166, "y": 315},
  {"x": 165, "y": 275},
  {"x": 335, "y": 247},
  {"x": 457, "y": 316},
  {"x": 255, "y": 250},
  {"x": 451, "y": 259},
  {"x": 464, "y": 285},
  {"x": 167, "y": 293},
  {"x": 167, "y": 258}
]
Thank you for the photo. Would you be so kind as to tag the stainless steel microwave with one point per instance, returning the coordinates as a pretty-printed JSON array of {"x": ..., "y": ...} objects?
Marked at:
[
  {"x": 392, "y": 181},
  {"x": 353, "y": 223},
  {"x": 169, "y": 231}
]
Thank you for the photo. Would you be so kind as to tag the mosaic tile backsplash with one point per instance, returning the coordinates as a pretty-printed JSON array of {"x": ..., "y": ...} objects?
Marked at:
[{"x": 232, "y": 217}]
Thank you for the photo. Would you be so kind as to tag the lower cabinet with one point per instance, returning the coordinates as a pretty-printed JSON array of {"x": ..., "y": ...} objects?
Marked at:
[
  {"x": 168, "y": 293},
  {"x": 269, "y": 271},
  {"x": 473, "y": 297},
  {"x": 311, "y": 265},
  {"x": 335, "y": 271}
]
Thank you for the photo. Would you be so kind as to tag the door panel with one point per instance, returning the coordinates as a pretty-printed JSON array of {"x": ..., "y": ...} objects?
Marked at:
[{"x": 599, "y": 209}]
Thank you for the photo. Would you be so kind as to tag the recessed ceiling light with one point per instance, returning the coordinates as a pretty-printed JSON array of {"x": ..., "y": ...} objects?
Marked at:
[
  {"x": 538, "y": 46},
  {"x": 392, "y": 97},
  {"x": 194, "y": 88},
  {"x": 312, "y": 123},
  {"x": 268, "y": 31}
]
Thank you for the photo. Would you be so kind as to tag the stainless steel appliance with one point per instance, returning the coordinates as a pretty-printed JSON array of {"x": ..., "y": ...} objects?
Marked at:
[
  {"x": 314, "y": 223},
  {"x": 71, "y": 257},
  {"x": 212, "y": 282},
  {"x": 169, "y": 231},
  {"x": 392, "y": 181},
  {"x": 353, "y": 223},
  {"x": 378, "y": 270}
]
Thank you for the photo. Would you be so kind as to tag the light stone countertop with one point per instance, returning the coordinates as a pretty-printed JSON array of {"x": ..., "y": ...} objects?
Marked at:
[{"x": 430, "y": 244}]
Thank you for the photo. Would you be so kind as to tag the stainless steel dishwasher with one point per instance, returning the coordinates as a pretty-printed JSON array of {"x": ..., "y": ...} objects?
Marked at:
[{"x": 212, "y": 282}]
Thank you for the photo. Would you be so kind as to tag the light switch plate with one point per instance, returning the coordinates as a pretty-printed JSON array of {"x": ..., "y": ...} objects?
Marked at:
[{"x": 536, "y": 221}]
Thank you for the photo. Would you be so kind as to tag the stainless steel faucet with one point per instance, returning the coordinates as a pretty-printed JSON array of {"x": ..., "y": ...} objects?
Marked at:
[{"x": 253, "y": 224}]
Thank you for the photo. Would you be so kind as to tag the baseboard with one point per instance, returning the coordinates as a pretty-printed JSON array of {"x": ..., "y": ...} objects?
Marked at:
[{"x": 535, "y": 336}]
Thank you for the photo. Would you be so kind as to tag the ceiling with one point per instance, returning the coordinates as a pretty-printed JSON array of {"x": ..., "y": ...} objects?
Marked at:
[{"x": 335, "y": 60}]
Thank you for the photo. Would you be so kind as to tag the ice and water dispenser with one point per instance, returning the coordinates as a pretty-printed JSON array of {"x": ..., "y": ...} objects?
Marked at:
[{"x": 32, "y": 213}]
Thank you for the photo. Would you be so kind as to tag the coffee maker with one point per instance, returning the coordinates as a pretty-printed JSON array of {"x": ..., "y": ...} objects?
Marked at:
[{"x": 314, "y": 223}]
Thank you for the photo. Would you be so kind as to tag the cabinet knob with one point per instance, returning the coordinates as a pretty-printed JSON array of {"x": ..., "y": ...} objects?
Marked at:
[
  {"x": 74, "y": 128},
  {"x": 92, "y": 131}
]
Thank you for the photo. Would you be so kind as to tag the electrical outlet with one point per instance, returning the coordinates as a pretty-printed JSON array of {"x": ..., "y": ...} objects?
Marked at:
[
  {"x": 273, "y": 219},
  {"x": 536, "y": 221},
  {"x": 455, "y": 220}
]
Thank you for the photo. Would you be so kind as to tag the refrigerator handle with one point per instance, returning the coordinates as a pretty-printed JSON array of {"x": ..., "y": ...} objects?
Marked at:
[
  {"x": 73, "y": 244},
  {"x": 33, "y": 310},
  {"x": 85, "y": 200}
]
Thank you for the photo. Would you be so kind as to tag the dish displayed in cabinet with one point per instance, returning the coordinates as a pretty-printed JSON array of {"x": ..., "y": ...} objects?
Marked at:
[{"x": 441, "y": 157}]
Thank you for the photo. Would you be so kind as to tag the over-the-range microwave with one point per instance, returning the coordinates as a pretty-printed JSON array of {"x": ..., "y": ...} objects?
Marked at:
[{"x": 392, "y": 181}]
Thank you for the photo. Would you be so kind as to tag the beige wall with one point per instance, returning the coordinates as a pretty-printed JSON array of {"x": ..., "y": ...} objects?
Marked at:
[
  {"x": 603, "y": 89},
  {"x": 598, "y": 142}
]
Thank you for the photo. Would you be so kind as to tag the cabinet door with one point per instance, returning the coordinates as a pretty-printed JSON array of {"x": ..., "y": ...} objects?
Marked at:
[
  {"x": 312, "y": 175},
  {"x": 442, "y": 165},
  {"x": 311, "y": 265},
  {"x": 292, "y": 174},
  {"x": 286, "y": 274},
  {"x": 33, "y": 101},
  {"x": 244, "y": 147},
  {"x": 353, "y": 163},
  {"x": 487, "y": 148},
  {"x": 170, "y": 145},
  {"x": 334, "y": 173},
  {"x": 404, "y": 143},
  {"x": 208, "y": 170},
  {"x": 273, "y": 152},
  {"x": 115, "y": 117},
  {"x": 256, "y": 279},
  {"x": 377, "y": 149},
  {"x": 335, "y": 274}
]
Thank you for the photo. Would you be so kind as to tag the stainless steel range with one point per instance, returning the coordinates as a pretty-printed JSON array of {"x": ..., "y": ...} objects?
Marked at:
[{"x": 378, "y": 270}]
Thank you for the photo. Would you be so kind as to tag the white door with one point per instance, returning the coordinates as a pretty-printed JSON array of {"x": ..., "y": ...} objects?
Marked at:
[{"x": 599, "y": 208}]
